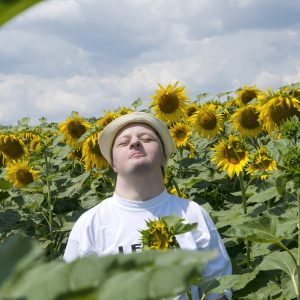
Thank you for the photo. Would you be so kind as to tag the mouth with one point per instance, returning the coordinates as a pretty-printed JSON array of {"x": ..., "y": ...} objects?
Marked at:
[{"x": 136, "y": 154}]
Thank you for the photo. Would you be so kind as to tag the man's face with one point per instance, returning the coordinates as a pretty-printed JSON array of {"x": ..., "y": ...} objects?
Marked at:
[{"x": 137, "y": 148}]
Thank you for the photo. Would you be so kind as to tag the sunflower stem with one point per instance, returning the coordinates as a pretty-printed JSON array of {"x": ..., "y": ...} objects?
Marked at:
[
  {"x": 243, "y": 190},
  {"x": 244, "y": 200},
  {"x": 180, "y": 163},
  {"x": 49, "y": 201}
]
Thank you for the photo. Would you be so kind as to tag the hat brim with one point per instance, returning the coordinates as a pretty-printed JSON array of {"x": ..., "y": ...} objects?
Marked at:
[{"x": 107, "y": 136}]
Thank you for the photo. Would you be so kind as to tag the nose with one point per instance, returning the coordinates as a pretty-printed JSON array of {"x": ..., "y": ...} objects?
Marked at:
[{"x": 134, "y": 143}]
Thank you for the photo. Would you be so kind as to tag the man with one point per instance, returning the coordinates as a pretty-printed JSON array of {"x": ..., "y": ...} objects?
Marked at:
[{"x": 137, "y": 146}]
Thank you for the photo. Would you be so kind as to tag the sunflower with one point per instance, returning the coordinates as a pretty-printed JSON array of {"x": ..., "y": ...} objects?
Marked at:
[
  {"x": 245, "y": 121},
  {"x": 72, "y": 129},
  {"x": 247, "y": 94},
  {"x": 261, "y": 162},
  {"x": 107, "y": 118},
  {"x": 207, "y": 121},
  {"x": 278, "y": 110},
  {"x": 20, "y": 173},
  {"x": 191, "y": 109},
  {"x": 12, "y": 147},
  {"x": 158, "y": 236},
  {"x": 36, "y": 144},
  {"x": 75, "y": 154},
  {"x": 231, "y": 155},
  {"x": 27, "y": 136},
  {"x": 91, "y": 153},
  {"x": 180, "y": 134},
  {"x": 170, "y": 103},
  {"x": 192, "y": 149},
  {"x": 124, "y": 111}
]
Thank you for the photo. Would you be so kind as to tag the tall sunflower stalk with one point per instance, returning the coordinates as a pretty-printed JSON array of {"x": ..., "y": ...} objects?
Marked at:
[
  {"x": 49, "y": 202},
  {"x": 232, "y": 155}
]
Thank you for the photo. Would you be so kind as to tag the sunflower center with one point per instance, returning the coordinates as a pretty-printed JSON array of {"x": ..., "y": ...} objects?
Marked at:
[
  {"x": 180, "y": 134},
  {"x": 247, "y": 96},
  {"x": 76, "y": 129},
  {"x": 249, "y": 119},
  {"x": 208, "y": 120},
  {"x": 191, "y": 110},
  {"x": 168, "y": 103},
  {"x": 264, "y": 163},
  {"x": 13, "y": 149},
  {"x": 234, "y": 154},
  {"x": 280, "y": 113},
  {"x": 24, "y": 176}
]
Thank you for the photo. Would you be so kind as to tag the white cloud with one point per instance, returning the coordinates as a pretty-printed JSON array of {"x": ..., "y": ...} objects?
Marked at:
[{"x": 88, "y": 55}]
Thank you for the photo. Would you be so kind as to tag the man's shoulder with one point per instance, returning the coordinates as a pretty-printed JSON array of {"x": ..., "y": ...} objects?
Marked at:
[{"x": 94, "y": 211}]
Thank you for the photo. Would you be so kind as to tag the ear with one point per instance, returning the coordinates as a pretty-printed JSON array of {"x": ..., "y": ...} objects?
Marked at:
[{"x": 113, "y": 166}]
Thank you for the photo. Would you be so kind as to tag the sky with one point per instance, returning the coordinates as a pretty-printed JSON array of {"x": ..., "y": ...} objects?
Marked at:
[{"x": 93, "y": 56}]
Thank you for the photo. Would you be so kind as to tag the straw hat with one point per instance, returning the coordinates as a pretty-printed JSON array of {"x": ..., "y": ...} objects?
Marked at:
[{"x": 108, "y": 134}]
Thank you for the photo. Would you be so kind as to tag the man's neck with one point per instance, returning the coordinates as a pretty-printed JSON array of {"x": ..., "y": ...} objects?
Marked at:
[{"x": 139, "y": 188}]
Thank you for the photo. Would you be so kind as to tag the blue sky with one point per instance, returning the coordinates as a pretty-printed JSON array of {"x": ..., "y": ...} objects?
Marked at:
[{"x": 90, "y": 56}]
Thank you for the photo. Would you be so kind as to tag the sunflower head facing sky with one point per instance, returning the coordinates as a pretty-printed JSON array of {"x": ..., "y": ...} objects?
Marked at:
[
  {"x": 207, "y": 121},
  {"x": 72, "y": 129},
  {"x": 170, "y": 103},
  {"x": 278, "y": 110},
  {"x": 231, "y": 155},
  {"x": 91, "y": 154},
  {"x": 246, "y": 95},
  {"x": 180, "y": 133},
  {"x": 12, "y": 147},
  {"x": 261, "y": 162},
  {"x": 158, "y": 236},
  {"x": 20, "y": 173},
  {"x": 245, "y": 121}
]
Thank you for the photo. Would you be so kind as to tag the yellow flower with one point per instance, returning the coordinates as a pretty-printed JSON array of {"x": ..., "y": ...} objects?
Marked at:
[
  {"x": 207, "y": 121},
  {"x": 180, "y": 133},
  {"x": 36, "y": 144},
  {"x": 231, "y": 155},
  {"x": 20, "y": 173},
  {"x": 12, "y": 147},
  {"x": 107, "y": 118},
  {"x": 124, "y": 111},
  {"x": 170, "y": 103},
  {"x": 261, "y": 162},
  {"x": 158, "y": 236},
  {"x": 191, "y": 109},
  {"x": 75, "y": 154},
  {"x": 277, "y": 110},
  {"x": 72, "y": 129},
  {"x": 27, "y": 136},
  {"x": 245, "y": 121},
  {"x": 247, "y": 94},
  {"x": 91, "y": 154}
]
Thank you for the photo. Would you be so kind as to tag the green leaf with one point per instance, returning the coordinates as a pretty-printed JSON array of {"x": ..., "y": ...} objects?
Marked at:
[
  {"x": 283, "y": 261},
  {"x": 263, "y": 230},
  {"x": 137, "y": 103},
  {"x": 263, "y": 196},
  {"x": 11, "y": 8},
  {"x": 5, "y": 185},
  {"x": 16, "y": 255},
  {"x": 176, "y": 222}
]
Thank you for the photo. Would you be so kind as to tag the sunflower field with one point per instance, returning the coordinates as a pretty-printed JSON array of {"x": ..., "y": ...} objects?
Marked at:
[{"x": 237, "y": 155}]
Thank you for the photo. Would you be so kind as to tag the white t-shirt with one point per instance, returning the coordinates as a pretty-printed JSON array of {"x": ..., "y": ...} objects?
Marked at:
[{"x": 113, "y": 227}]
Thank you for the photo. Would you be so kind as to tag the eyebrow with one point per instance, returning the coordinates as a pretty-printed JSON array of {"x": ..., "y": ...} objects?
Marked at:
[{"x": 139, "y": 135}]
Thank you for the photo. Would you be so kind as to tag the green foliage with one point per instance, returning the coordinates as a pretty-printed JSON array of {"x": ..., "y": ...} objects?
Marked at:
[
  {"x": 150, "y": 274},
  {"x": 11, "y": 8}
]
